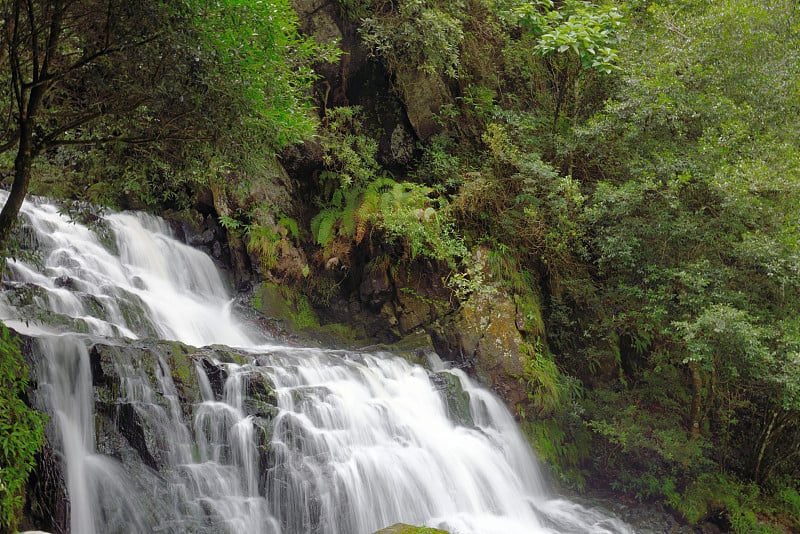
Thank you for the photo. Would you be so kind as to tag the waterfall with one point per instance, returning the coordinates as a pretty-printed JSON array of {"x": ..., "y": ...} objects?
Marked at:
[{"x": 244, "y": 435}]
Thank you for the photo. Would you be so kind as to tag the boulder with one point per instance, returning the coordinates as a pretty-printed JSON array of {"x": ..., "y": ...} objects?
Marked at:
[
  {"x": 402, "y": 528},
  {"x": 423, "y": 94},
  {"x": 483, "y": 338}
]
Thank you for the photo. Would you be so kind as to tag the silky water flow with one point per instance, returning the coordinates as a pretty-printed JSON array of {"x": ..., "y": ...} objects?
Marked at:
[{"x": 349, "y": 443}]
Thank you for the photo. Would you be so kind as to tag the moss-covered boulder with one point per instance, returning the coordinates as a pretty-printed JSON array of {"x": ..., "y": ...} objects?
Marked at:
[
  {"x": 424, "y": 94},
  {"x": 484, "y": 338},
  {"x": 402, "y": 528}
]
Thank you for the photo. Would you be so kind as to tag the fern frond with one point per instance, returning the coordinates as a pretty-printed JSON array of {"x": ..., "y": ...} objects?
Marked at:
[
  {"x": 368, "y": 209},
  {"x": 322, "y": 226},
  {"x": 290, "y": 224},
  {"x": 382, "y": 184},
  {"x": 348, "y": 225}
]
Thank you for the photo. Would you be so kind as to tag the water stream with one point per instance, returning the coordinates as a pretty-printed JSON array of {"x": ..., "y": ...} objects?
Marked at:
[{"x": 257, "y": 437}]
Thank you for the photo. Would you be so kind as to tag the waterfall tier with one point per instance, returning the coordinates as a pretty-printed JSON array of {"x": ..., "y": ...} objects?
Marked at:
[{"x": 245, "y": 435}]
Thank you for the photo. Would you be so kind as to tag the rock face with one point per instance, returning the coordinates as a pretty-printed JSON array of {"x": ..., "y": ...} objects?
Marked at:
[
  {"x": 424, "y": 95},
  {"x": 482, "y": 338}
]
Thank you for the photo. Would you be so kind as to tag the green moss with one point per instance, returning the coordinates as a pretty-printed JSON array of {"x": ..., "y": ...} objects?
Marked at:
[
  {"x": 181, "y": 364},
  {"x": 303, "y": 316},
  {"x": 455, "y": 398},
  {"x": 286, "y": 304},
  {"x": 401, "y": 528}
]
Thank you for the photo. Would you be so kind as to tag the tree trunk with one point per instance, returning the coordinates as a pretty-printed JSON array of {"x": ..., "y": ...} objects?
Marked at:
[
  {"x": 697, "y": 395},
  {"x": 22, "y": 177},
  {"x": 763, "y": 449},
  {"x": 29, "y": 96}
]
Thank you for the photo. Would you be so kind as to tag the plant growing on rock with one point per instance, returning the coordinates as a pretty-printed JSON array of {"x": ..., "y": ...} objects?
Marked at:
[{"x": 21, "y": 431}]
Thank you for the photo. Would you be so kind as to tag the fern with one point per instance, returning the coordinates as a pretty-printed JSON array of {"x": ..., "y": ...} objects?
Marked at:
[
  {"x": 367, "y": 209},
  {"x": 322, "y": 226},
  {"x": 265, "y": 244},
  {"x": 290, "y": 224},
  {"x": 383, "y": 183},
  {"x": 347, "y": 227}
]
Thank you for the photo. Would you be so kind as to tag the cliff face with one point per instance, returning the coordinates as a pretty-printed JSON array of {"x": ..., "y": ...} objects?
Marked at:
[{"x": 380, "y": 295}]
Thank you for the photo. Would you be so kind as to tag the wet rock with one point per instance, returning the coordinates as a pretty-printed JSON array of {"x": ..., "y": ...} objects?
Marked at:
[
  {"x": 483, "y": 339},
  {"x": 129, "y": 425},
  {"x": 376, "y": 288},
  {"x": 402, "y": 528},
  {"x": 47, "y": 504},
  {"x": 216, "y": 376},
  {"x": 260, "y": 400},
  {"x": 455, "y": 398},
  {"x": 64, "y": 282},
  {"x": 206, "y": 237},
  {"x": 401, "y": 145},
  {"x": 425, "y": 297}
]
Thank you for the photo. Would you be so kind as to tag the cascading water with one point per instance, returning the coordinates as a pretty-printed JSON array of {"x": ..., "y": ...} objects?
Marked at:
[{"x": 157, "y": 436}]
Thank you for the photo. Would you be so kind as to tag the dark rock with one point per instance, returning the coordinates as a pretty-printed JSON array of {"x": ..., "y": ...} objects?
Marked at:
[
  {"x": 138, "y": 283},
  {"x": 423, "y": 94},
  {"x": 455, "y": 398},
  {"x": 398, "y": 147},
  {"x": 47, "y": 504},
  {"x": 65, "y": 282},
  {"x": 216, "y": 376},
  {"x": 128, "y": 424},
  {"x": 205, "y": 237},
  {"x": 376, "y": 288}
]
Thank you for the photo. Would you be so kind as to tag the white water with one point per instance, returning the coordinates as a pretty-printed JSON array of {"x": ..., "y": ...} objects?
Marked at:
[{"x": 358, "y": 442}]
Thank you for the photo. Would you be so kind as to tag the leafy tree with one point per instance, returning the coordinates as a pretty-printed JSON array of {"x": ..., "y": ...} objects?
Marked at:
[
  {"x": 148, "y": 90},
  {"x": 78, "y": 73},
  {"x": 693, "y": 222}
]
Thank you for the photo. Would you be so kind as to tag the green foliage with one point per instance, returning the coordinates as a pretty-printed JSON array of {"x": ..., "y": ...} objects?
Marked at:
[
  {"x": 419, "y": 34},
  {"x": 710, "y": 493},
  {"x": 21, "y": 431},
  {"x": 788, "y": 499},
  {"x": 350, "y": 150},
  {"x": 542, "y": 379},
  {"x": 357, "y": 198},
  {"x": 562, "y": 445},
  {"x": 693, "y": 237},
  {"x": 410, "y": 213},
  {"x": 579, "y": 27},
  {"x": 403, "y": 211},
  {"x": 439, "y": 166},
  {"x": 263, "y": 62}
]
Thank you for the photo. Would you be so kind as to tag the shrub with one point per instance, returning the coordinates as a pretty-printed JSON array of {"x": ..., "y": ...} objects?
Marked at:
[{"x": 21, "y": 431}]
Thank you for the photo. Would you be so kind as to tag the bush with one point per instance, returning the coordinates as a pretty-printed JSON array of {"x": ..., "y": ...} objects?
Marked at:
[{"x": 21, "y": 431}]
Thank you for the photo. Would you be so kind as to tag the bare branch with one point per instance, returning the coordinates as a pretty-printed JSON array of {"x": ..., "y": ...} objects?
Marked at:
[{"x": 11, "y": 143}]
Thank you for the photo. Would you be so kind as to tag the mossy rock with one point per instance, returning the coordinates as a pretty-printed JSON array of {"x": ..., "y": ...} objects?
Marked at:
[
  {"x": 413, "y": 348},
  {"x": 483, "y": 338},
  {"x": 288, "y": 305},
  {"x": 402, "y": 528},
  {"x": 455, "y": 398}
]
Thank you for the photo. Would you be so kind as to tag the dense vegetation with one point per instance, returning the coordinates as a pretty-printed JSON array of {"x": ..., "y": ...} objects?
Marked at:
[
  {"x": 21, "y": 432},
  {"x": 632, "y": 168}
]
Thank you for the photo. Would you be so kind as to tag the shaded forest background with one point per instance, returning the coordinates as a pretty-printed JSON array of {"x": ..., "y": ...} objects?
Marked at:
[{"x": 624, "y": 174}]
